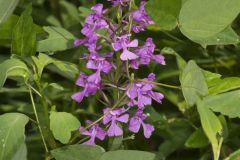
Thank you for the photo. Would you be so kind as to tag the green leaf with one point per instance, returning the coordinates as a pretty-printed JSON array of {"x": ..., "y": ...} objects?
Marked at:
[
  {"x": 202, "y": 19},
  {"x": 224, "y": 85},
  {"x": 41, "y": 62},
  {"x": 24, "y": 35},
  {"x": 212, "y": 127},
  {"x": 164, "y": 12},
  {"x": 12, "y": 67},
  {"x": 225, "y": 37},
  {"x": 59, "y": 39},
  {"x": 21, "y": 154},
  {"x": 62, "y": 124},
  {"x": 128, "y": 155},
  {"x": 193, "y": 83},
  {"x": 6, "y": 9},
  {"x": 226, "y": 103},
  {"x": 12, "y": 128},
  {"x": 197, "y": 140},
  {"x": 234, "y": 156},
  {"x": 115, "y": 143},
  {"x": 78, "y": 152}
]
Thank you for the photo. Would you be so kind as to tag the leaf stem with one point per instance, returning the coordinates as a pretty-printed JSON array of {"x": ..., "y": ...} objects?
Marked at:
[
  {"x": 161, "y": 84},
  {"x": 36, "y": 115}
]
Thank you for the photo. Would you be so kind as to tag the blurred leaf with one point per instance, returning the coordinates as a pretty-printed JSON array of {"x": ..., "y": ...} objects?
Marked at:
[
  {"x": 197, "y": 140},
  {"x": 62, "y": 124},
  {"x": 70, "y": 13},
  {"x": 202, "y": 19},
  {"x": 12, "y": 67},
  {"x": 193, "y": 83},
  {"x": 12, "y": 128},
  {"x": 78, "y": 152},
  {"x": 225, "y": 37},
  {"x": 225, "y": 103},
  {"x": 212, "y": 127},
  {"x": 211, "y": 77},
  {"x": 115, "y": 143},
  {"x": 234, "y": 156},
  {"x": 164, "y": 12},
  {"x": 84, "y": 12},
  {"x": 127, "y": 155},
  {"x": 21, "y": 154},
  {"x": 180, "y": 61},
  {"x": 6, "y": 9},
  {"x": 24, "y": 35},
  {"x": 56, "y": 86},
  {"x": 59, "y": 39}
]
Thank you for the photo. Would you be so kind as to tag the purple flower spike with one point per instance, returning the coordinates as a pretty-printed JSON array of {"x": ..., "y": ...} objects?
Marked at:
[
  {"x": 119, "y": 2},
  {"x": 141, "y": 19},
  {"x": 141, "y": 94},
  {"x": 146, "y": 54},
  {"x": 123, "y": 43},
  {"x": 94, "y": 132},
  {"x": 137, "y": 120},
  {"x": 115, "y": 116},
  {"x": 90, "y": 84}
]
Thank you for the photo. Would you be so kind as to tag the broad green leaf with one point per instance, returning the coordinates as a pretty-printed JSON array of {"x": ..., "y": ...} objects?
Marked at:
[
  {"x": 70, "y": 14},
  {"x": 42, "y": 61},
  {"x": 6, "y": 29},
  {"x": 225, "y": 37},
  {"x": 59, "y": 39},
  {"x": 204, "y": 19},
  {"x": 24, "y": 35},
  {"x": 193, "y": 83},
  {"x": 211, "y": 77},
  {"x": 12, "y": 128},
  {"x": 224, "y": 85},
  {"x": 115, "y": 143},
  {"x": 6, "y": 9},
  {"x": 225, "y": 103},
  {"x": 180, "y": 61},
  {"x": 197, "y": 140},
  {"x": 128, "y": 155},
  {"x": 12, "y": 67},
  {"x": 62, "y": 124},
  {"x": 212, "y": 127},
  {"x": 21, "y": 154},
  {"x": 164, "y": 12},
  {"x": 78, "y": 152},
  {"x": 234, "y": 156}
]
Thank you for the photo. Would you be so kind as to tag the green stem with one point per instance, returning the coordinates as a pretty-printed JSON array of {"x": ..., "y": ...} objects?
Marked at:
[
  {"x": 161, "y": 84},
  {"x": 36, "y": 115}
]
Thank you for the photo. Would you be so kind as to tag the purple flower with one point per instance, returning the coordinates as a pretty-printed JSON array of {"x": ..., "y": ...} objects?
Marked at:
[
  {"x": 141, "y": 94},
  {"x": 96, "y": 19},
  {"x": 94, "y": 132},
  {"x": 96, "y": 62},
  {"x": 90, "y": 84},
  {"x": 119, "y": 2},
  {"x": 123, "y": 43},
  {"x": 114, "y": 116},
  {"x": 90, "y": 40},
  {"x": 137, "y": 120},
  {"x": 146, "y": 54},
  {"x": 141, "y": 18}
]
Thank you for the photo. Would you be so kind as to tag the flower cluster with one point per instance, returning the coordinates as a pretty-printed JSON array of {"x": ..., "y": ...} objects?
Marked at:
[{"x": 112, "y": 55}]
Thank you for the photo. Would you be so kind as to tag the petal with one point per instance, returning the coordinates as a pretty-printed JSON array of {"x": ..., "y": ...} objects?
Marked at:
[
  {"x": 91, "y": 141},
  {"x": 159, "y": 58},
  {"x": 116, "y": 46},
  {"x": 127, "y": 55},
  {"x": 134, "y": 43},
  {"x": 101, "y": 134},
  {"x": 78, "y": 97},
  {"x": 114, "y": 130},
  {"x": 91, "y": 65},
  {"x": 123, "y": 118},
  {"x": 134, "y": 125},
  {"x": 147, "y": 129},
  {"x": 157, "y": 96}
]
